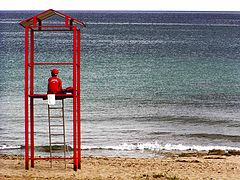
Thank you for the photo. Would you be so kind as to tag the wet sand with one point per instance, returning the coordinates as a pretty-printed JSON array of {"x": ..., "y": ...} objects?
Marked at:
[{"x": 172, "y": 167}]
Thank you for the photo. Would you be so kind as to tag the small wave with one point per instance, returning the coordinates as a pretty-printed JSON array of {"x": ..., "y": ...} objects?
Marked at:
[
  {"x": 193, "y": 119},
  {"x": 6, "y": 147},
  {"x": 160, "y": 133},
  {"x": 231, "y": 138},
  {"x": 8, "y": 22},
  {"x": 124, "y": 42},
  {"x": 158, "y": 147}
]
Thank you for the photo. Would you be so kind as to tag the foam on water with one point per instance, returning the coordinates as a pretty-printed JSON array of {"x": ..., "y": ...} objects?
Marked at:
[
  {"x": 158, "y": 147},
  {"x": 6, "y": 147},
  {"x": 152, "y": 147}
]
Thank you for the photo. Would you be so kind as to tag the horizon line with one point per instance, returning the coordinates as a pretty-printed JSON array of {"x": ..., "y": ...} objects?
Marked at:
[{"x": 129, "y": 11}]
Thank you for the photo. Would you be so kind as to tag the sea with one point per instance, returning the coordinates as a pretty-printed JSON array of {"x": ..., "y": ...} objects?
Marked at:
[{"x": 151, "y": 82}]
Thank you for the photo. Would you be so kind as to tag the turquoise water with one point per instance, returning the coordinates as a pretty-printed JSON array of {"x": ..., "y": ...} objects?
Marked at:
[{"x": 153, "y": 81}]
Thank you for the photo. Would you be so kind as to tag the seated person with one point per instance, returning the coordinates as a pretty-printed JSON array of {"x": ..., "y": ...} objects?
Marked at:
[{"x": 55, "y": 84}]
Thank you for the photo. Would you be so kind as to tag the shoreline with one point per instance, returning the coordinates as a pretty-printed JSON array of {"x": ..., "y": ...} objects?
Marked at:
[{"x": 172, "y": 166}]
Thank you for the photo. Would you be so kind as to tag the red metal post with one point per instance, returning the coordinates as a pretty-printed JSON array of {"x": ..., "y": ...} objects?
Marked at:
[
  {"x": 79, "y": 96},
  {"x": 74, "y": 98},
  {"x": 66, "y": 20},
  {"x": 35, "y": 21},
  {"x": 31, "y": 99},
  {"x": 26, "y": 99}
]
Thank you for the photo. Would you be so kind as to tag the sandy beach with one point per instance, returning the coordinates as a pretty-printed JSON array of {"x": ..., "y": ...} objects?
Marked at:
[{"x": 171, "y": 167}]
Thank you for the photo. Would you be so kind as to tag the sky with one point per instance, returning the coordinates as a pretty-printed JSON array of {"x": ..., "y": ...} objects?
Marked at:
[{"x": 147, "y": 5}]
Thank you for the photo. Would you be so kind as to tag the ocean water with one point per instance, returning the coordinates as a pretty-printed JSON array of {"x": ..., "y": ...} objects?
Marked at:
[{"x": 151, "y": 81}]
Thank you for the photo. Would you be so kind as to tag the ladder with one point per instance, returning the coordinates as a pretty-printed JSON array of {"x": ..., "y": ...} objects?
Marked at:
[{"x": 56, "y": 122}]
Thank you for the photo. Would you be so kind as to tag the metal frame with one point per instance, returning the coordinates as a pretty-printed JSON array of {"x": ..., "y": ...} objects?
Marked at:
[{"x": 29, "y": 90}]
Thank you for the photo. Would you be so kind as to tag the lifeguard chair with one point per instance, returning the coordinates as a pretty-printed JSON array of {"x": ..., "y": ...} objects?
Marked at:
[{"x": 32, "y": 25}]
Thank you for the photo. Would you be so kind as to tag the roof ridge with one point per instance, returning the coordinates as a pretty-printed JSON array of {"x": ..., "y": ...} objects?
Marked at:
[{"x": 49, "y": 13}]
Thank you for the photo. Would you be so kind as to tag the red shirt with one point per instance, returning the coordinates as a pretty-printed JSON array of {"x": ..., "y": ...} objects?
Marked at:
[{"x": 54, "y": 85}]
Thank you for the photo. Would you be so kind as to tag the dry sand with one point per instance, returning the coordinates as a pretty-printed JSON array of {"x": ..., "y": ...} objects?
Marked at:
[{"x": 171, "y": 168}]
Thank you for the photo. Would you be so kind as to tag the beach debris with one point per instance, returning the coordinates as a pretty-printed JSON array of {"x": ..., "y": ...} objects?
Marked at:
[
  {"x": 214, "y": 157},
  {"x": 233, "y": 152},
  {"x": 159, "y": 176},
  {"x": 217, "y": 152},
  {"x": 188, "y": 161}
]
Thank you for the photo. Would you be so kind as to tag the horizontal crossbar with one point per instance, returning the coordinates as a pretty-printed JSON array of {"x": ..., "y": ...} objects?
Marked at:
[
  {"x": 53, "y": 30},
  {"x": 51, "y": 158},
  {"x": 52, "y": 26},
  {"x": 57, "y": 96},
  {"x": 53, "y": 63}
]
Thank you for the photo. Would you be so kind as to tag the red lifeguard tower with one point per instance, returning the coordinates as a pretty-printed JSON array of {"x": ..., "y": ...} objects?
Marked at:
[{"x": 32, "y": 25}]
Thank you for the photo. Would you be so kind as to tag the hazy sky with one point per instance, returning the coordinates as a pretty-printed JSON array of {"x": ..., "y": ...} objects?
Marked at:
[{"x": 177, "y": 5}]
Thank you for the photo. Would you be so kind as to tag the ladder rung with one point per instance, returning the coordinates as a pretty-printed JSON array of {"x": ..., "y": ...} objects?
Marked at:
[
  {"x": 57, "y": 134},
  {"x": 56, "y": 117},
  {"x": 55, "y": 107},
  {"x": 57, "y": 142},
  {"x": 57, "y": 125}
]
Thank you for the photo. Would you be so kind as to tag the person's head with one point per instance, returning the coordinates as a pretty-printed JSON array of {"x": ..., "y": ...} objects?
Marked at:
[{"x": 54, "y": 72}]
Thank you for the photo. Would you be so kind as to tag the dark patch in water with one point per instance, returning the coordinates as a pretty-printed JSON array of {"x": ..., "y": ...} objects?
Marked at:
[
  {"x": 130, "y": 131},
  {"x": 160, "y": 133},
  {"x": 47, "y": 148},
  {"x": 234, "y": 124},
  {"x": 223, "y": 97},
  {"x": 183, "y": 120},
  {"x": 231, "y": 138},
  {"x": 223, "y": 100}
]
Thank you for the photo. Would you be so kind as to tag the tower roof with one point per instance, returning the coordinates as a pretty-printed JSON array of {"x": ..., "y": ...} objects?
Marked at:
[{"x": 49, "y": 13}]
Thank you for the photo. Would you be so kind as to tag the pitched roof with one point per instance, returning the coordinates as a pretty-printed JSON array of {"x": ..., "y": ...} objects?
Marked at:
[{"x": 48, "y": 13}]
